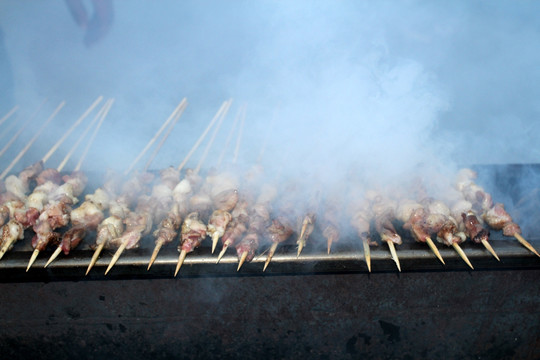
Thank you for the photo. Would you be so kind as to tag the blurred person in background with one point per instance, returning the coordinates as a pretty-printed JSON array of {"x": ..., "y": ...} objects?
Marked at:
[{"x": 95, "y": 26}]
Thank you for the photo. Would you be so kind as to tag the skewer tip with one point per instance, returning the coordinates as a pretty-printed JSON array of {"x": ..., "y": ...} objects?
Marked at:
[
  {"x": 434, "y": 249},
  {"x": 95, "y": 257},
  {"x": 526, "y": 244},
  {"x": 159, "y": 244},
  {"x": 393, "y": 252},
  {"x": 53, "y": 256},
  {"x": 181, "y": 259},
  {"x": 462, "y": 254},
  {"x": 215, "y": 238},
  {"x": 222, "y": 253},
  {"x": 116, "y": 257},
  {"x": 32, "y": 259},
  {"x": 490, "y": 249},
  {"x": 242, "y": 260},
  {"x": 367, "y": 254},
  {"x": 271, "y": 253}
]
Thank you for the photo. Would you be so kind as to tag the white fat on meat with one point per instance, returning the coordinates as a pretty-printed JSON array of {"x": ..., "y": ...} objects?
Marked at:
[
  {"x": 37, "y": 200},
  {"x": 16, "y": 186},
  {"x": 406, "y": 208},
  {"x": 181, "y": 190},
  {"x": 87, "y": 213},
  {"x": 100, "y": 197}
]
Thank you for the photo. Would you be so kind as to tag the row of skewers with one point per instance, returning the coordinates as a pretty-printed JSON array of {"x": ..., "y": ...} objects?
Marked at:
[{"x": 242, "y": 211}]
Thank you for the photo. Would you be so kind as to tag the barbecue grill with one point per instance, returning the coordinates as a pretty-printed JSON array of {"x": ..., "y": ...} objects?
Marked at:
[{"x": 429, "y": 306}]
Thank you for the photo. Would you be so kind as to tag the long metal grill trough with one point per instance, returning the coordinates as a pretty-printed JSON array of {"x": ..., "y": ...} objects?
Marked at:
[{"x": 346, "y": 256}]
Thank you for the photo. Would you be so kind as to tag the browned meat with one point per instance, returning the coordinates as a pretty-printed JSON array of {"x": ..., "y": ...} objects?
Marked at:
[
  {"x": 234, "y": 231},
  {"x": 473, "y": 229},
  {"x": 280, "y": 230},
  {"x": 226, "y": 200},
  {"x": 193, "y": 233},
  {"x": 249, "y": 244},
  {"x": 47, "y": 175},
  {"x": 31, "y": 172},
  {"x": 72, "y": 238},
  {"x": 137, "y": 225},
  {"x": 88, "y": 215},
  {"x": 168, "y": 228}
]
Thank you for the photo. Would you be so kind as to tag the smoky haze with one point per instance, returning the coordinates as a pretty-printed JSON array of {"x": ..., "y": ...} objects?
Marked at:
[{"x": 376, "y": 87}]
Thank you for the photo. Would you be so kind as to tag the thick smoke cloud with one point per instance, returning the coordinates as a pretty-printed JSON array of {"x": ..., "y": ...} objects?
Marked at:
[{"x": 330, "y": 86}]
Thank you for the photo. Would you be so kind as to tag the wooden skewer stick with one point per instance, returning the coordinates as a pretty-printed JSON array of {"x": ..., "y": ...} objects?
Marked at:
[
  {"x": 301, "y": 239},
  {"x": 23, "y": 127},
  {"x": 223, "y": 251},
  {"x": 462, "y": 254},
  {"x": 169, "y": 119},
  {"x": 8, "y": 115},
  {"x": 95, "y": 256},
  {"x": 215, "y": 239},
  {"x": 116, "y": 256},
  {"x": 79, "y": 120},
  {"x": 490, "y": 249},
  {"x": 229, "y": 138},
  {"x": 434, "y": 249},
  {"x": 242, "y": 260},
  {"x": 526, "y": 243},
  {"x": 53, "y": 256},
  {"x": 240, "y": 132},
  {"x": 25, "y": 149},
  {"x": 6, "y": 246},
  {"x": 393, "y": 252},
  {"x": 270, "y": 254},
  {"x": 32, "y": 259},
  {"x": 164, "y": 138},
  {"x": 91, "y": 140},
  {"x": 201, "y": 138},
  {"x": 81, "y": 138},
  {"x": 159, "y": 244},
  {"x": 216, "y": 130},
  {"x": 181, "y": 259},
  {"x": 367, "y": 253}
]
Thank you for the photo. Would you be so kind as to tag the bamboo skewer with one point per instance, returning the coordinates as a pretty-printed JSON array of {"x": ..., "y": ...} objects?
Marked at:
[
  {"x": 201, "y": 138},
  {"x": 525, "y": 243},
  {"x": 155, "y": 253},
  {"x": 8, "y": 115},
  {"x": 270, "y": 254},
  {"x": 54, "y": 256},
  {"x": 181, "y": 259},
  {"x": 116, "y": 256},
  {"x": 434, "y": 249},
  {"x": 31, "y": 142},
  {"x": 240, "y": 132},
  {"x": 81, "y": 138},
  {"x": 393, "y": 252},
  {"x": 67, "y": 133},
  {"x": 95, "y": 257},
  {"x": 222, "y": 252},
  {"x": 229, "y": 138},
  {"x": 91, "y": 140},
  {"x": 462, "y": 254},
  {"x": 164, "y": 138},
  {"x": 180, "y": 106},
  {"x": 211, "y": 141},
  {"x": 490, "y": 249},
  {"x": 23, "y": 127},
  {"x": 242, "y": 260},
  {"x": 367, "y": 253},
  {"x": 32, "y": 259},
  {"x": 114, "y": 234}
]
